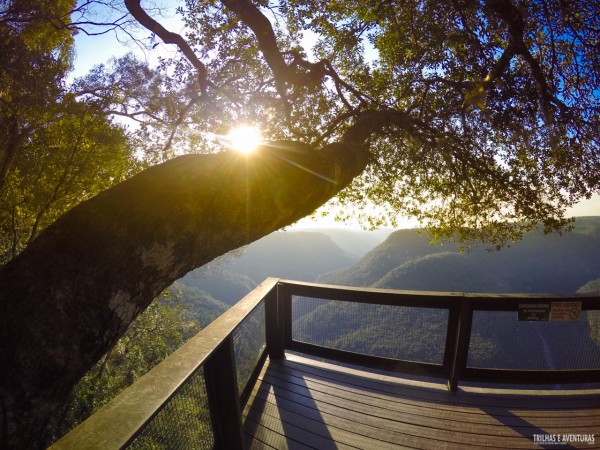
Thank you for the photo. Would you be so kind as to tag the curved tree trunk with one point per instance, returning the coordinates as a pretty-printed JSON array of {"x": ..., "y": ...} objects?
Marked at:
[{"x": 72, "y": 293}]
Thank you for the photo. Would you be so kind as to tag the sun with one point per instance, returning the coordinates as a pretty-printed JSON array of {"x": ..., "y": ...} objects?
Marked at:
[{"x": 244, "y": 139}]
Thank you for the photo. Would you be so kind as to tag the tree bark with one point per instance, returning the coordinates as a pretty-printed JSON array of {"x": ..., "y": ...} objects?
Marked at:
[{"x": 73, "y": 292}]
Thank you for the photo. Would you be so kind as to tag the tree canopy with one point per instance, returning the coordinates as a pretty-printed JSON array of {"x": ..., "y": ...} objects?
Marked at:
[{"x": 479, "y": 118}]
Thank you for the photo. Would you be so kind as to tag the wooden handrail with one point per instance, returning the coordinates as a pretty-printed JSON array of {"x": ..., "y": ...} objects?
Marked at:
[
  {"x": 117, "y": 423},
  {"x": 460, "y": 307}
]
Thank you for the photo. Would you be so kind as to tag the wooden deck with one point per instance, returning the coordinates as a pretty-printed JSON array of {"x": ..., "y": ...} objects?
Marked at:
[{"x": 299, "y": 403}]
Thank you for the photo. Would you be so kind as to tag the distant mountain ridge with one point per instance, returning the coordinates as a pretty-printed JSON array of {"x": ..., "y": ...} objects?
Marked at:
[
  {"x": 537, "y": 263},
  {"x": 298, "y": 255},
  {"x": 355, "y": 242}
]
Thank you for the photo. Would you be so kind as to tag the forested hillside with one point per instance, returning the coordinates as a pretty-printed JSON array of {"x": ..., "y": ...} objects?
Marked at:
[{"x": 406, "y": 260}]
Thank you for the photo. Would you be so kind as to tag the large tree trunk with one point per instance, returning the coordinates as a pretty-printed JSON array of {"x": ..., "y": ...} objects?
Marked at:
[{"x": 72, "y": 293}]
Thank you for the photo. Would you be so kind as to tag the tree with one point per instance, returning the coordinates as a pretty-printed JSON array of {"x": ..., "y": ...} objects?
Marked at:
[
  {"x": 478, "y": 118},
  {"x": 155, "y": 333},
  {"x": 34, "y": 59},
  {"x": 62, "y": 162}
]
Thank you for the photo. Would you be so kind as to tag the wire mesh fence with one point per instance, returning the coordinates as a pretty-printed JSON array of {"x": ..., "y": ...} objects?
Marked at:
[
  {"x": 249, "y": 342},
  {"x": 500, "y": 341},
  {"x": 412, "y": 335},
  {"x": 183, "y": 423},
  {"x": 396, "y": 332}
]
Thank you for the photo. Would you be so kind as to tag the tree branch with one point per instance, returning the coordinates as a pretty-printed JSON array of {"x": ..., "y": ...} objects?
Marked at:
[
  {"x": 513, "y": 16},
  {"x": 371, "y": 123},
  {"x": 168, "y": 37},
  {"x": 250, "y": 15},
  {"x": 179, "y": 121},
  {"x": 299, "y": 72}
]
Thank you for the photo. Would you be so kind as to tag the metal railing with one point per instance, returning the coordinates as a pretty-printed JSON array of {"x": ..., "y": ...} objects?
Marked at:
[
  {"x": 193, "y": 399},
  {"x": 455, "y": 311}
]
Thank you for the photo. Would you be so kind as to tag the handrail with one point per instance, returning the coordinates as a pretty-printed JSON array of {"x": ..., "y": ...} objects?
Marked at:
[
  {"x": 119, "y": 422},
  {"x": 510, "y": 302},
  {"x": 375, "y": 296},
  {"x": 460, "y": 307}
]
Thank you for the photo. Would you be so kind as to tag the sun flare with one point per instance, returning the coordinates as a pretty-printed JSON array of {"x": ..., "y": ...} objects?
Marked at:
[{"x": 244, "y": 139}]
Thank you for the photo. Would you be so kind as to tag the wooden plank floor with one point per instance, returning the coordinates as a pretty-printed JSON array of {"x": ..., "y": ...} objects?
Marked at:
[{"x": 299, "y": 403}]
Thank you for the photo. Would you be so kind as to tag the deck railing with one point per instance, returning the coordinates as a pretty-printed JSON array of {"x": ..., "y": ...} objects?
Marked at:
[{"x": 193, "y": 399}]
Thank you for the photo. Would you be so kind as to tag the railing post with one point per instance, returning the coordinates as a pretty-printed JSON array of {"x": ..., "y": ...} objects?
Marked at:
[
  {"x": 223, "y": 397},
  {"x": 461, "y": 349},
  {"x": 284, "y": 308},
  {"x": 274, "y": 324},
  {"x": 451, "y": 337}
]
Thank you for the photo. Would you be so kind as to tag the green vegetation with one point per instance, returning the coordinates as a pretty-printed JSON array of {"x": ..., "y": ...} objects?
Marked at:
[
  {"x": 198, "y": 305},
  {"x": 76, "y": 155},
  {"x": 184, "y": 422},
  {"x": 35, "y": 59},
  {"x": 56, "y": 149}
]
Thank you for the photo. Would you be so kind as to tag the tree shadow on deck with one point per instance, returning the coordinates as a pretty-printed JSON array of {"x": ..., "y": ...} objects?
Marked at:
[{"x": 286, "y": 418}]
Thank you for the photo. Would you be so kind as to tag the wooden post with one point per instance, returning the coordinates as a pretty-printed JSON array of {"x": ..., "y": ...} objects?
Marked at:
[
  {"x": 284, "y": 302},
  {"x": 463, "y": 337},
  {"x": 223, "y": 397},
  {"x": 274, "y": 325},
  {"x": 451, "y": 337}
]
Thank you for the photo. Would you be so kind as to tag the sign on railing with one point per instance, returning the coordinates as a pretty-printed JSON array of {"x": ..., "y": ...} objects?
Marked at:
[{"x": 553, "y": 311}]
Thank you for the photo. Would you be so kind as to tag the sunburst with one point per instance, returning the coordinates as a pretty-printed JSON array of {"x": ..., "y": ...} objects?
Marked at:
[{"x": 244, "y": 139}]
